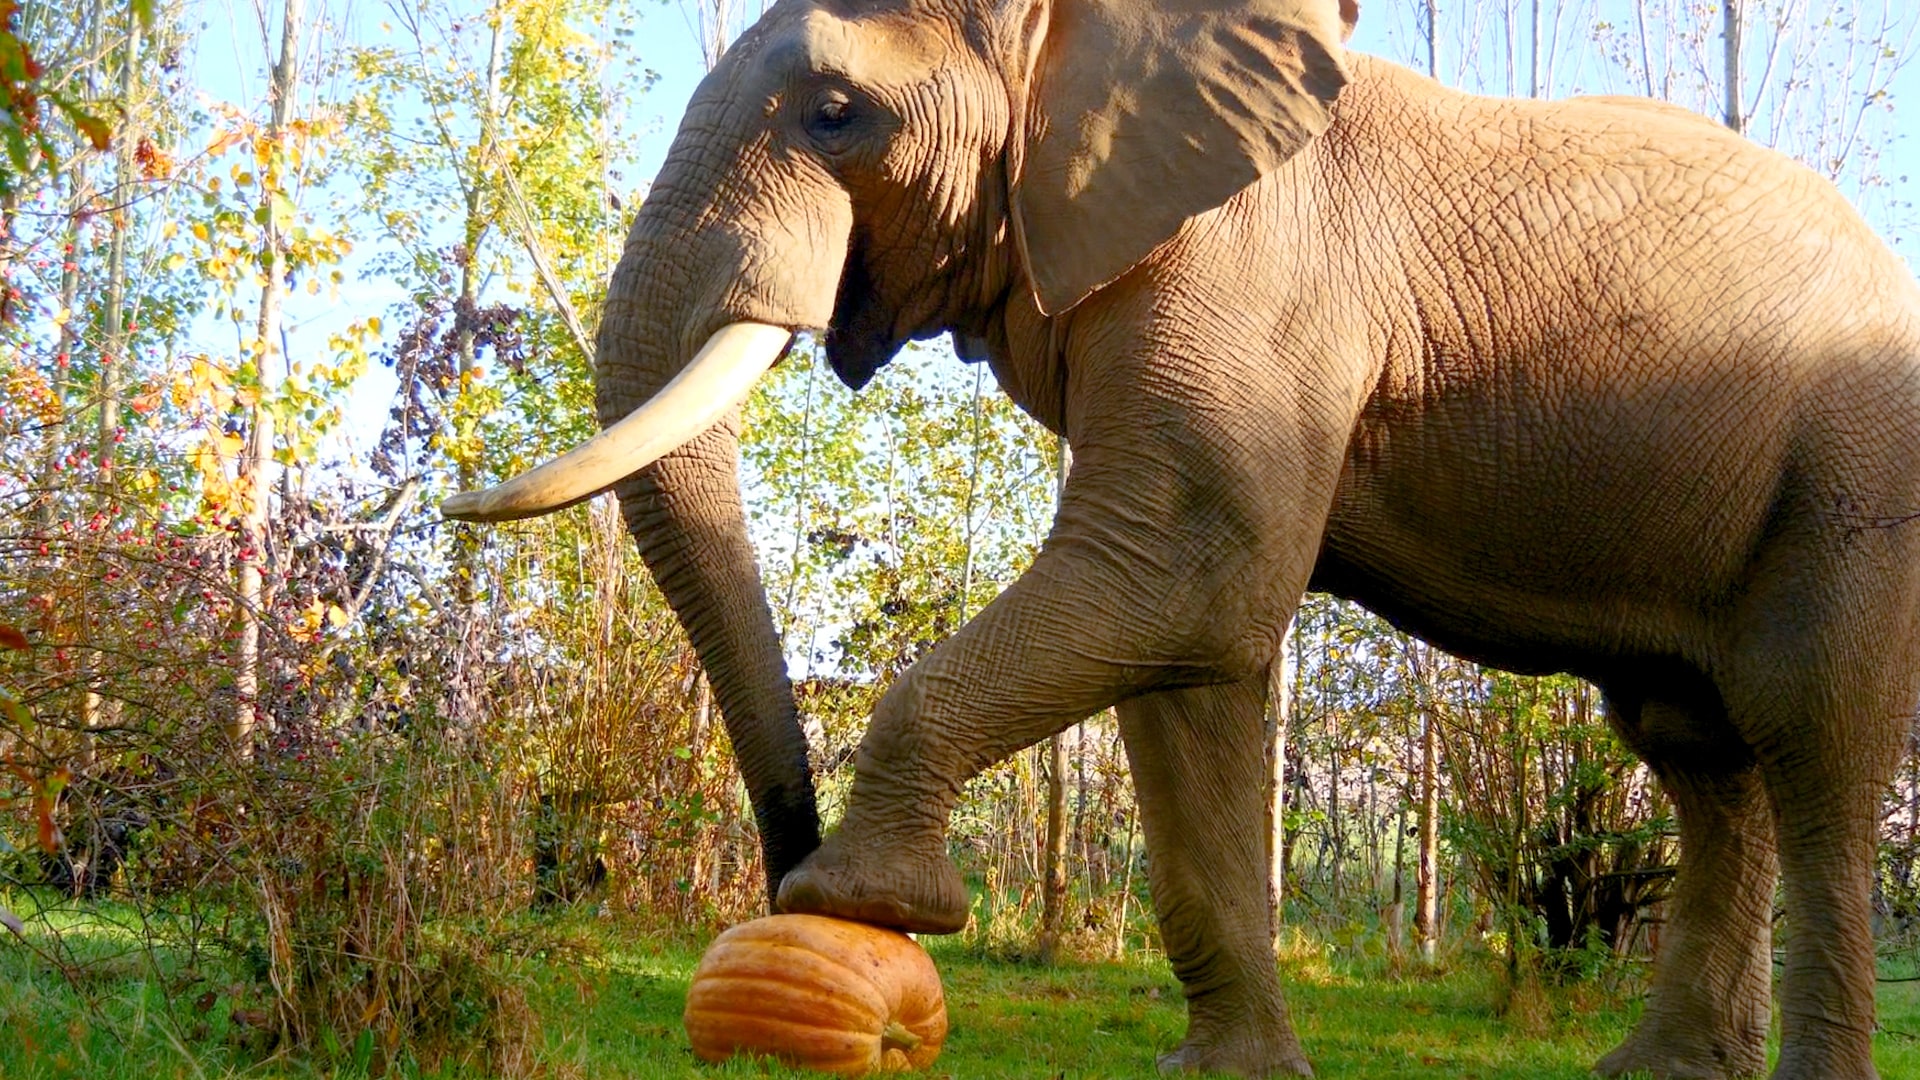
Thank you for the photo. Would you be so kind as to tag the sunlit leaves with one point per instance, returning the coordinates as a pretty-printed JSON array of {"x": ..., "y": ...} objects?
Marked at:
[
  {"x": 26, "y": 91},
  {"x": 887, "y": 517},
  {"x": 257, "y": 208},
  {"x": 317, "y": 616}
]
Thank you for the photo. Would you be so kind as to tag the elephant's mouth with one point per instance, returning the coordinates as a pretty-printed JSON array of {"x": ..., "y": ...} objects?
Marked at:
[{"x": 863, "y": 336}]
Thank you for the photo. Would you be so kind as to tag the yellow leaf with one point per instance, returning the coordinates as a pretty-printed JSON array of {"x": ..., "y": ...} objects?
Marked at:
[
  {"x": 222, "y": 141},
  {"x": 208, "y": 374},
  {"x": 306, "y": 625},
  {"x": 336, "y": 616},
  {"x": 199, "y": 230}
]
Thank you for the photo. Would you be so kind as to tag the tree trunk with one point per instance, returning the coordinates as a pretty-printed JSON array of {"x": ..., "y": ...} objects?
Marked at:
[
  {"x": 1053, "y": 896},
  {"x": 1517, "y": 747},
  {"x": 1336, "y": 828},
  {"x": 1732, "y": 31},
  {"x": 1426, "y": 915},
  {"x": 1397, "y": 907},
  {"x": 1279, "y": 714},
  {"x": 96, "y": 710},
  {"x": 1539, "y": 43},
  {"x": 1081, "y": 842},
  {"x": 80, "y": 191},
  {"x": 257, "y": 457},
  {"x": 1433, "y": 39},
  {"x": 1126, "y": 885},
  {"x": 113, "y": 356}
]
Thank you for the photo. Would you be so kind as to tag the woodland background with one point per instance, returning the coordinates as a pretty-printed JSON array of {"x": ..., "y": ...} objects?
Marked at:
[{"x": 277, "y": 278}]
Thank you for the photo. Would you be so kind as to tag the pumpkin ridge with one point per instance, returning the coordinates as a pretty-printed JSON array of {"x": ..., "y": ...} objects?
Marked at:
[
  {"x": 752, "y": 955},
  {"x": 804, "y": 1043},
  {"x": 726, "y": 987}
]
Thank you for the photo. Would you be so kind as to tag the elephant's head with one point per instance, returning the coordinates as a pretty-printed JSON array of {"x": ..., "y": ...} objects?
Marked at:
[{"x": 885, "y": 170}]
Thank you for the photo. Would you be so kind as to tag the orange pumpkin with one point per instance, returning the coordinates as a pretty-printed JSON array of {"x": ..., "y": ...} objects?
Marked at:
[{"x": 828, "y": 994}]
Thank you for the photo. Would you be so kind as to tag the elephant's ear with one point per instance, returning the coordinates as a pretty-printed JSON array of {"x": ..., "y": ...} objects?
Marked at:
[{"x": 1143, "y": 113}]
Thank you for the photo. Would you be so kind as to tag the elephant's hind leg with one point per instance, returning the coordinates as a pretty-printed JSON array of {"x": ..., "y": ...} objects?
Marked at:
[
  {"x": 1707, "y": 1012},
  {"x": 1196, "y": 761},
  {"x": 1827, "y": 793},
  {"x": 1823, "y": 687}
]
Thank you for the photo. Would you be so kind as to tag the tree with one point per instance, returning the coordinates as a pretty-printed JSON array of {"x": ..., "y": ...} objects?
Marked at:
[
  {"x": 1426, "y": 908},
  {"x": 1054, "y": 892},
  {"x": 257, "y": 457}
]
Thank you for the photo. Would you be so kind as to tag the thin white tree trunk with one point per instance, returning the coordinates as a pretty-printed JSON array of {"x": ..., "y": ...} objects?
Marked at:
[
  {"x": 1279, "y": 714},
  {"x": 113, "y": 355},
  {"x": 1433, "y": 38},
  {"x": 1732, "y": 30},
  {"x": 1534, "y": 54},
  {"x": 1426, "y": 916},
  {"x": 257, "y": 456},
  {"x": 1053, "y": 896}
]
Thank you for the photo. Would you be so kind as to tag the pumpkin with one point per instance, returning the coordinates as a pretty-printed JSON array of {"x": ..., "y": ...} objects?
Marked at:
[{"x": 827, "y": 994}]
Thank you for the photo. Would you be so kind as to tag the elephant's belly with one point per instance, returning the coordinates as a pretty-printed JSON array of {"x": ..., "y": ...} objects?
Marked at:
[
  {"x": 1527, "y": 634},
  {"x": 1618, "y": 561}
]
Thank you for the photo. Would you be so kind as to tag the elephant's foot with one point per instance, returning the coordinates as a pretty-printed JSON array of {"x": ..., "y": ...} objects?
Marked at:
[
  {"x": 914, "y": 890},
  {"x": 1672, "y": 1052},
  {"x": 1812, "y": 1059},
  {"x": 1239, "y": 1054}
]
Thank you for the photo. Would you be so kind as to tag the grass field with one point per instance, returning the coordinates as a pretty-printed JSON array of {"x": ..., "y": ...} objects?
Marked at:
[{"x": 617, "y": 1014}]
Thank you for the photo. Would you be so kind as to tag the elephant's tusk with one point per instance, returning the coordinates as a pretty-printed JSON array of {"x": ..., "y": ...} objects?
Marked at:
[{"x": 717, "y": 379}]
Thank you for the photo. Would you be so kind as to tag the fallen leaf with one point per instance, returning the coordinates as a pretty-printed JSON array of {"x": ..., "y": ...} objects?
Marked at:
[
  {"x": 12, "y": 922},
  {"x": 12, "y": 638}
]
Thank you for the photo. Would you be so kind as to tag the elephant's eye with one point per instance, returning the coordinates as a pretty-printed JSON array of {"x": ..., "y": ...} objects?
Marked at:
[{"x": 832, "y": 115}]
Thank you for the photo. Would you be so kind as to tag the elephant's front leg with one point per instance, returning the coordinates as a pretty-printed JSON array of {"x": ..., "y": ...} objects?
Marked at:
[
  {"x": 1197, "y": 766},
  {"x": 1060, "y": 644},
  {"x": 1184, "y": 539}
]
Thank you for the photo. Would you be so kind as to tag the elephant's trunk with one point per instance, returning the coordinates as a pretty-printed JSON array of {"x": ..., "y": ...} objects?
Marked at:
[
  {"x": 731, "y": 251},
  {"x": 674, "y": 461},
  {"x": 685, "y": 512}
]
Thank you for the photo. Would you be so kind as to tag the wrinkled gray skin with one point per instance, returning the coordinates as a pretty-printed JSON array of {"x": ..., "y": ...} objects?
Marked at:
[{"x": 1591, "y": 386}]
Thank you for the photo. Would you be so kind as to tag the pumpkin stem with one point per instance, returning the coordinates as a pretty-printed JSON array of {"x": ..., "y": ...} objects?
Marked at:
[{"x": 897, "y": 1036}]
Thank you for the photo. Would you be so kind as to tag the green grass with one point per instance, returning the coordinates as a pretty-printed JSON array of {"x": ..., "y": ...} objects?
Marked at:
[{"x": 618, "y": 1015}]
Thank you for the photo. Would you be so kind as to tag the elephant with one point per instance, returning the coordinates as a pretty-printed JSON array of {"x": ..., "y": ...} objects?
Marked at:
[{"x": 1593, "y": 386}]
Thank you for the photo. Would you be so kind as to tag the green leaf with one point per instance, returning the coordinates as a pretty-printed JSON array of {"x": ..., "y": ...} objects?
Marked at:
[{"x": 95, "y": 129}]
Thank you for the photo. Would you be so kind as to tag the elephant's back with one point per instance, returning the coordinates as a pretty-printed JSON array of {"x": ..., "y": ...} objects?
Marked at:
[
  {"x": 1595, "y": 304},
  {"x": 1519, "y": 228}
]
